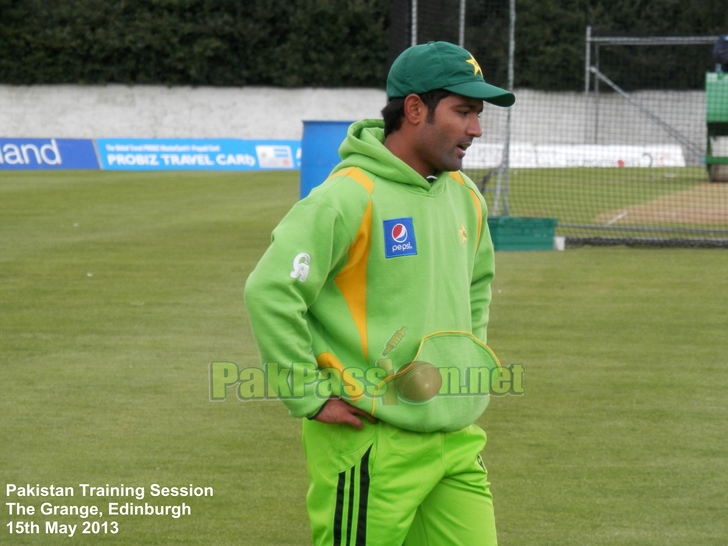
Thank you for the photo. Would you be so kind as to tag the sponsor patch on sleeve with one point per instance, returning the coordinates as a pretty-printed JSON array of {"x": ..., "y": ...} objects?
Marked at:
[{"x": 399, "y": 238}]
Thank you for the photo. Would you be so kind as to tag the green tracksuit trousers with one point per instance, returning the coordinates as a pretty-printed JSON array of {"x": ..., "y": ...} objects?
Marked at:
[{"x": 385, "y": 486}]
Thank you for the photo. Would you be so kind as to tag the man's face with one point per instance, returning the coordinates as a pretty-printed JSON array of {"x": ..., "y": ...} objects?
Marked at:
[{"x": 448, "y": 132}]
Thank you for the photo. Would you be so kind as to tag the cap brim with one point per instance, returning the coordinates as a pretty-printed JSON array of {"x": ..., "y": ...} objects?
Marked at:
[{"x": 484, "y": 91}]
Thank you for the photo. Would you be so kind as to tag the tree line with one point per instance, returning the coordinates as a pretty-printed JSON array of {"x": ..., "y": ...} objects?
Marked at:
[{"x": 336, "y": 43}]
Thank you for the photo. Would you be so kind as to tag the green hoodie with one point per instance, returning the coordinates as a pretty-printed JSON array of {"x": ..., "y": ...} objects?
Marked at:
[{"x": 375, "y": 269}]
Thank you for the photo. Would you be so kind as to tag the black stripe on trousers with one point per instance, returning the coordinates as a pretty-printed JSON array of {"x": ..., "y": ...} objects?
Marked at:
[{"x": 360, "y": 530}]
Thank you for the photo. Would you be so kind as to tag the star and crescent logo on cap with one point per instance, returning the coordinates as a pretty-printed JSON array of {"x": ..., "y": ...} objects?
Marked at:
[{"x": 476, "y": 66}]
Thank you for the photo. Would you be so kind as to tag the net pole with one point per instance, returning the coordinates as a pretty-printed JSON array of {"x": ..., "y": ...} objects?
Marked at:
[
  {"x": 461, "y": 25},
  {"x": 507, "y": 143},
  {"x": 587, "y": 74},
  {"x": 500, "y": 200},
  {"x": 587, "y": 60},
  {"x": 413, "y": 30},
  {"x": 596, "y": 98}
]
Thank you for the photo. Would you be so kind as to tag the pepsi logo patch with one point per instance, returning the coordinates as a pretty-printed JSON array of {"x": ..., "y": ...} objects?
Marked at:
[{"x": 399, "y": 238}]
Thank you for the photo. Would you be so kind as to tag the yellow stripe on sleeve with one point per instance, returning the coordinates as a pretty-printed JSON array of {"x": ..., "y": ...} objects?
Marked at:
[
  {"x": 352, "y": 279},
  {"x": 476, "y": 201}
]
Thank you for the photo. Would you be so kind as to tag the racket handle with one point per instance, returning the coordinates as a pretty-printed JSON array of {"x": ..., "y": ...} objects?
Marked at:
[{"x": 394, "y": 341}]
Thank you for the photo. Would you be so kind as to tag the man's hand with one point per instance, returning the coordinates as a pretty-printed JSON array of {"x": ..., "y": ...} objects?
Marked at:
[{"x": 336, "y": 411}]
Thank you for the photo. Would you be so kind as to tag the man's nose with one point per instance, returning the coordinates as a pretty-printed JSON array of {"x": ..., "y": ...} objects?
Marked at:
[{"x": 474, "y": 129}]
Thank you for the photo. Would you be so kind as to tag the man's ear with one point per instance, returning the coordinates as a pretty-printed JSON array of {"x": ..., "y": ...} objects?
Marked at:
[{"x": 415, "y": 111}]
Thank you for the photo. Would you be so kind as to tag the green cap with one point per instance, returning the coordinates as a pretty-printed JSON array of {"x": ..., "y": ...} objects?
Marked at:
[{"x": 442, "y": 65}]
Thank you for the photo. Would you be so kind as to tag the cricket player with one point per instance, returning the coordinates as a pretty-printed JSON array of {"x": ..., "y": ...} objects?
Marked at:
[{"x": 373, "y": 297}]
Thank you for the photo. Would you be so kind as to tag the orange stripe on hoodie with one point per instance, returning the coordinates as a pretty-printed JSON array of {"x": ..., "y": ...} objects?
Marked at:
[
  {"x": 351, "y": 280},
  {"x": 457, "y": 176}
]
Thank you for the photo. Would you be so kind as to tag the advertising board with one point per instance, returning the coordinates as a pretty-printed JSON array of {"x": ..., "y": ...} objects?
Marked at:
[
  {"x": 198, "y": 154},
  {"x": 47, "y": 153}
]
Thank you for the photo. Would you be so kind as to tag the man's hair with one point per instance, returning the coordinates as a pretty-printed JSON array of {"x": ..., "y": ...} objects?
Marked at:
[{"x": 393, "y": 112}]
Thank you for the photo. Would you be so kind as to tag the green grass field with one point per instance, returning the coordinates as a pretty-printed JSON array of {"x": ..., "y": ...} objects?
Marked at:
[
  {"x": 117, "y": 290},
  {"x": 679, "y": 199}
]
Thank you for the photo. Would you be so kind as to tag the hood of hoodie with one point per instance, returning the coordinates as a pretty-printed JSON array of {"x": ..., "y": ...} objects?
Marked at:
[{"x": 364, "y": 147}]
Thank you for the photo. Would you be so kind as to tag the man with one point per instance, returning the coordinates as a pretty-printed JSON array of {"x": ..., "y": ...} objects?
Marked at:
[{"x": 374, "y": 297}]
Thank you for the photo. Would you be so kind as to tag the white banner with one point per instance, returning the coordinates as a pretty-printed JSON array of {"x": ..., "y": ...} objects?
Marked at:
[{"x": 526, "y": 155}]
